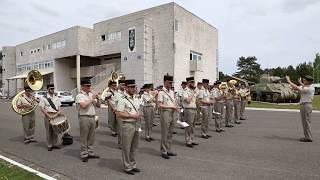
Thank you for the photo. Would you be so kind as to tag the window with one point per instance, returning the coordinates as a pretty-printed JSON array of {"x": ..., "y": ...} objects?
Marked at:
[
  {"x": 49, "y": 46},
  {"x": 21, "y": 53},
  {"x": 63, "y": 43},
  {"x": 195, "y": 56},
  {"x": 114, "y": 36},
  {"x": 38, "y": 49},
  {"x": 103, "y": 37}
]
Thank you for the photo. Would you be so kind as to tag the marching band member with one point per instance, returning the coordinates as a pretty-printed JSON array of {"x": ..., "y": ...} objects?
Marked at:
[
  {"x": 148, "y": 110},
  {"x": 180, "y": 94},
  {"x": 111, "y": 98},
  {"x": 307, "y": 94},
  {"x": 229, "y": 105},
  {"x": 120, "y": 93},
  {"x": 217, "y": 94},
  {"x": 28, "y": 120},
  {"x": 86, "y": 103},
  {"x": 167, "y": 108},
  {"x": 198, "y": 115},
  {"x": 51, "y": 108},
  {"x": 244, "y": 93},
  {"x": 190, "y": 110},
  {"x": 205, "y": 103},
  {"x": 128, "y": 112},
  {"x": 236, "y": 105}
]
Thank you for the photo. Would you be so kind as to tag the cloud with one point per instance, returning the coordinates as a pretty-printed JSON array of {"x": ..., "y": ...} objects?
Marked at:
[
  {"x": 44, "y": 10},
  {"x": 290, "y": 6}
]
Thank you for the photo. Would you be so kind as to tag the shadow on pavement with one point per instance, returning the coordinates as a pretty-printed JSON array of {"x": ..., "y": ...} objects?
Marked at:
[
  {"x": 110, "y": 144},
  {"x": 150, "y": 151},
  {"x": 113, "y": 164},
  {"x": 281, "y": 138}
]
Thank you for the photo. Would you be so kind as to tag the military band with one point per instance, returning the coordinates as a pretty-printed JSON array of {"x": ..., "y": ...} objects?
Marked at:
[{"x": 127, "y": 111}]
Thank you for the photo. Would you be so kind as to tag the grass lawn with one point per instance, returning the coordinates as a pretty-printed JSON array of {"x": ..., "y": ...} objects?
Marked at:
[
  {"x": 12, "y": 172},
  {"x": 256, "y": 104}
]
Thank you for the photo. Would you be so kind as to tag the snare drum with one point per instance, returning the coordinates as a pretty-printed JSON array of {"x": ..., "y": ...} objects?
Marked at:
[{"x": 60, "y": 125}]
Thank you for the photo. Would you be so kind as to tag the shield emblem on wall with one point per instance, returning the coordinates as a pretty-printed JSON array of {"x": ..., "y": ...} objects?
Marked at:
[{"x": 132, "y": 39}]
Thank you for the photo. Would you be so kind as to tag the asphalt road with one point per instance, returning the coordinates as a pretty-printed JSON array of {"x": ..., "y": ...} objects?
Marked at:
[{"x": 265, "y": 146}]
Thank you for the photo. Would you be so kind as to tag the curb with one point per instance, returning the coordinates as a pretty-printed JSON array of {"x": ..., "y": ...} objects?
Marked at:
[
  {"x": 279, "y": 110},
  {"x": 40, "y": 174}
]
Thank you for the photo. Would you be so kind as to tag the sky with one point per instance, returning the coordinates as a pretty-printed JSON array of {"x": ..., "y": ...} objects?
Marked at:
[{"x": 277, "y": 32}]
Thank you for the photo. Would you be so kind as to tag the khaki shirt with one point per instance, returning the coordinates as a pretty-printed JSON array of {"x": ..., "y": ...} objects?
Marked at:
[
  {"x": 186, "y": 94},
  {"x": 90, "y": 110},
  {"x": 166, "y": 97},
  {"x": 147, "y": 99},
  {"x": 114, "y": 96},
  {"x": 128, "y": 104},
  {"x": 217, "y": 93},
  {"x": 44, "y": 103},
  {"x": 204, "y": 94},
  {"x": 24, "y": 100},
  {"x": 306, "y": 94}
]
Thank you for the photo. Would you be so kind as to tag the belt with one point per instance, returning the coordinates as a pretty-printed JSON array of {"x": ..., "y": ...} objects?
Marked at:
[
  {"x": 85, "y": 115},
  {"x": 191, "y": 108},
  {"x": 305, "y": 103}
]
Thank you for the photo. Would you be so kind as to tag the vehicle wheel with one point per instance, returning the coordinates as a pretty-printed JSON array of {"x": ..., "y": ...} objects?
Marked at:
[{"x": 70, "y": 104}]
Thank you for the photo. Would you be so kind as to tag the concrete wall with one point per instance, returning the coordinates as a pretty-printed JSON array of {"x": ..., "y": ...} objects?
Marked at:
[
  {"x": 194, "y": 34},
  {"x": 154, "y": 43},
  {"x": 9, "y": 64},
  {"x": 61, "y": 76}
]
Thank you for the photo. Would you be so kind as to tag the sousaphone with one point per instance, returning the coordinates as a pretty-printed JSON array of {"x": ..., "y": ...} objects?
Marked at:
[{"x": 35, "y": 82}]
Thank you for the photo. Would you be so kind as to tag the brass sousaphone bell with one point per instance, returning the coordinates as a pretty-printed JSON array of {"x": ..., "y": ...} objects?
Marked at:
[{"x": 35, "y": 82}]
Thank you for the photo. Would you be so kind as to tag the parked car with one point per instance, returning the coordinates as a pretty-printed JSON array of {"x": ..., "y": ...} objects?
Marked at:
[
  {"x": 65, "y": 97},
  {"x": 39, "y": 94}
]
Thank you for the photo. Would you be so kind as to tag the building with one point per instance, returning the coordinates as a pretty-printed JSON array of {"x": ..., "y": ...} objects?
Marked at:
[{"x": 144, "y": 45}]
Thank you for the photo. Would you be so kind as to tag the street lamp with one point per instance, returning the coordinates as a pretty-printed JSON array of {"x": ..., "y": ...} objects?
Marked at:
[{"x": 318, "y": 72}]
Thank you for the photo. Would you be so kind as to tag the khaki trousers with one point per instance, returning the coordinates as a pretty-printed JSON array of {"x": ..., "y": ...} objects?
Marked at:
[
  {"x": 219, "y": 107},
  {"x": 87, "y": 133},
  {"x": 206, "y": 115},
  {"x": 242, "y": 107},
  {"x": 190, "y": 117},
  {"x": 229, "y": 110},
  {"x": 167, "y": 122},
  {"x": 130, "y": 142},
  {"x": 305, "y": 111},
  {"x": 28, "y": 124},
  {"x": 112, "y": 122},
  {"x": 52, "y": 138},
  {"x": 236, "y": 105},
  {"x": 148, "y": 112}
]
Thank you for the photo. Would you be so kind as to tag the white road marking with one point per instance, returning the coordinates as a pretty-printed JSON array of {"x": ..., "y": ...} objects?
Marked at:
[{"x": 27, "y": 168}]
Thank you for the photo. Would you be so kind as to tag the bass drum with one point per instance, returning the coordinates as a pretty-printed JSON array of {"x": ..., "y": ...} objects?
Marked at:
[{"x": 60, "y": 125}]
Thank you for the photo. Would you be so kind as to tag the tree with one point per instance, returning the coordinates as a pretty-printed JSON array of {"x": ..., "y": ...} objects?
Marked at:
[
  {"x": 248, "y": 69},
  {"x": 316, "y": 70},
  {"x": 222, "y": 76}
]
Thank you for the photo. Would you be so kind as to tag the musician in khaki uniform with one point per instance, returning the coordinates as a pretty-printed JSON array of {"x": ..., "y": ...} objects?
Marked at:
[
  {"x": 307, "y": 94},
  {"x": 205, "y": 107},
  {"x": 129, "y": 114},
  {"x": 236, "y": 105},
  {"x": 218, "y": 95},
  {"x": 190, "y": 111},
  {"x": 112, "y": 99},
  {"x": 86, "y": 104},
  {"x": 119, "y": 94},
  {"x": 26, "y": 101},
  {"x": 198, "y": 115},
  {"x": 244, "y": 93},
  {"x": 51, "y": 108},
  {"x": 167, "y": 108},
  {"x": 229, "y": 105},
  {"x": 148, "y": 101}
]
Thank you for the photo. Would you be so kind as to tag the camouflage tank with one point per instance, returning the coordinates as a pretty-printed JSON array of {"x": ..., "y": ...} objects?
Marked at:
[{"x": 272, "y": 89}]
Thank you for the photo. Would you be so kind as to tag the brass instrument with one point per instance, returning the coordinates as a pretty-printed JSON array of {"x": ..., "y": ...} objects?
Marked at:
[
  {"x": 223, "y": 86},
  {"x": 233, "y": 89},
  {"x": 35, "y": 82},
  {"x": 114, "y": 77}
]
